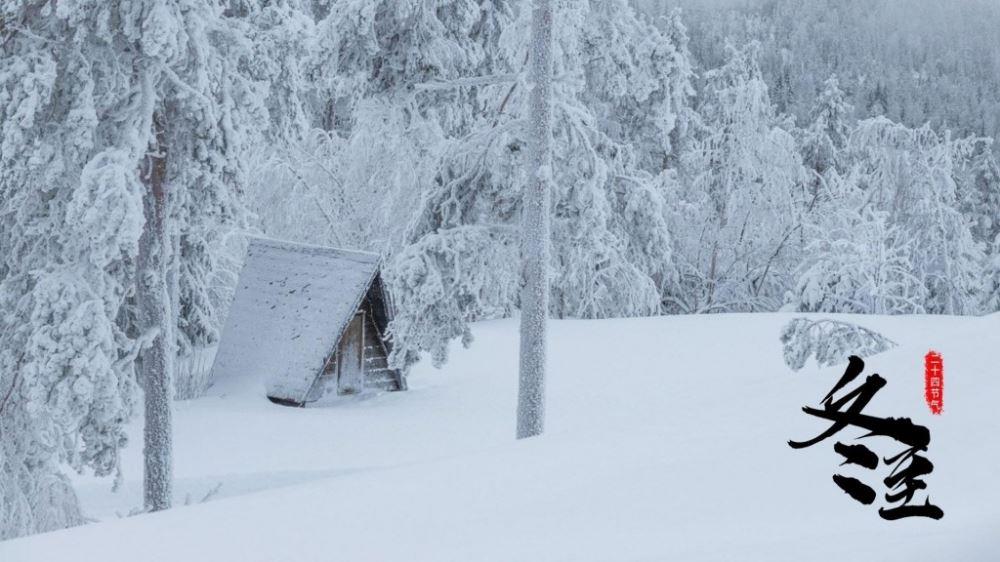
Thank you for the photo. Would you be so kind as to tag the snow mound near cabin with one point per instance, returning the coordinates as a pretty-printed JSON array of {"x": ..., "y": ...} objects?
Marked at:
[{"x": 666, "y": 440}]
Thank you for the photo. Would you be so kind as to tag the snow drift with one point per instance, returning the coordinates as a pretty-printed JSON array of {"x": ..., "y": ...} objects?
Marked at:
[{"x": 666, "y": 440}]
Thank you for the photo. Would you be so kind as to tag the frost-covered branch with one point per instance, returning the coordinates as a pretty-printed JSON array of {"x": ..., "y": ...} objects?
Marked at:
[
  {"x": 829, "y": 341},
  {"x": 471, "y": 81}
]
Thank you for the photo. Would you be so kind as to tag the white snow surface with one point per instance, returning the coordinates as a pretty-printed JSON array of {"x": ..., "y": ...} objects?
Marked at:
[{"x": 665, "y": 440}]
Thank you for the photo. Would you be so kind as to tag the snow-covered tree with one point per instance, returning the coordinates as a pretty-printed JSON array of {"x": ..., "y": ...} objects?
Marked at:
[
  {"x": 639, "y": 81},
  {"x": 115, "y": 114},
  {"x": 829, "y": 341},
  {"x": 610, "y": 244},
  {"x": 349, "y": 193},
  {"x": 535, "y": 217},
  {"x": 71, "y": 205},
  {"x": 826, "y": 136},
  {"x": 890, "y": 237},
  {"x": 979, "y": 190},
  {"x": 205, "y": 116},
  {"x": 979, "y": 194},
  {"x": 857, "y": 262},
  {"x": 382, "y": 99},
  {"x": 741, "y": 197},
  {"x": 936, "y": 66},
  {"x": 452, "y": 269},
  {"x": 244, "y": 98},
  {"x": 154, "y": 314},
  {"x": 991, "y": 278},
  {"x": 911, "y": 174},
  {"x": 400, "y": 49},
  {"x": 682, "y": 78}
]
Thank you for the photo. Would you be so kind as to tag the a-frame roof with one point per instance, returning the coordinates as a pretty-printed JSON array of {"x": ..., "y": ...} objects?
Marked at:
[{"x": 291, "y": 305}]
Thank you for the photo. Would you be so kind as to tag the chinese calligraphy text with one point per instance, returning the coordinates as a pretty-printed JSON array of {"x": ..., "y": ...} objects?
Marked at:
[{"x": 908, "y": 465}]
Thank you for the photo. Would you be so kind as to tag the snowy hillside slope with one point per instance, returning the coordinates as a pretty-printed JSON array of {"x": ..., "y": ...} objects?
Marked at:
[{"x": 666, "y": 440}]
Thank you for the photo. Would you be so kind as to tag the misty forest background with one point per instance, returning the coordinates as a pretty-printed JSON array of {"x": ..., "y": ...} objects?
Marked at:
[{"x": 709, "y": 157}]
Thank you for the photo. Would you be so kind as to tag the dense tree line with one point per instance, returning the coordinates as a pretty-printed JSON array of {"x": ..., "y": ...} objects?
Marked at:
[{"x": 914, "y": 61}]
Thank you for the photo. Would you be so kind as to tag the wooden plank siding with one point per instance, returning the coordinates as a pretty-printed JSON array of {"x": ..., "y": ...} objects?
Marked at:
[
  {"x": 351, "y": 368},
  {"x": 377, "y": 375},
  {"x": 377, "y": 372}
]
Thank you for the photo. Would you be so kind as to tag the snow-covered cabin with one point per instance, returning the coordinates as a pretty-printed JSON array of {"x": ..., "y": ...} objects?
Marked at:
[{"x": 310, "y": 322}]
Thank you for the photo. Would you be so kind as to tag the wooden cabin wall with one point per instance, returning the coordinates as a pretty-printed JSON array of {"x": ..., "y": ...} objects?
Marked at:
[
  {"x": 377, "y": 372},
  {"x": 378, "y": 375}
]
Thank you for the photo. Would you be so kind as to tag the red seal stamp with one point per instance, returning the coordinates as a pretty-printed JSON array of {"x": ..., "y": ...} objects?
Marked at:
[{"x": 934, "y": 382}]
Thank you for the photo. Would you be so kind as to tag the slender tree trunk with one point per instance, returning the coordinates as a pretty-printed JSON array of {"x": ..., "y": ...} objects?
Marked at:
[
  {"x": 535, "y": 234},
  {"x": 155, "y": 362},
  {"x": 182, "y": 381}
]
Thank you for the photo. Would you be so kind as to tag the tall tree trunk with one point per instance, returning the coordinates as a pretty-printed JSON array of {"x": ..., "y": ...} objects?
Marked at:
[
  {"x": 535, "y": 233},
  {"x": 156, "y": 361}
]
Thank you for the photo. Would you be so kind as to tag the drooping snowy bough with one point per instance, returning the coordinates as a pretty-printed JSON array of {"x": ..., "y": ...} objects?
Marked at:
[{"x": 829, "y": 341}]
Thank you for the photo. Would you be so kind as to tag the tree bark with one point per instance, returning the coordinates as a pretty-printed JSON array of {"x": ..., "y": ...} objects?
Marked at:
[
  {"x": 535, "y": 234},
  {"x": 155, "y": 362}
]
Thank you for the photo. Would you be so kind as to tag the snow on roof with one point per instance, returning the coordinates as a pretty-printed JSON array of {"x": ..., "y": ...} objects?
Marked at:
[{"x": 291, "y": 304}]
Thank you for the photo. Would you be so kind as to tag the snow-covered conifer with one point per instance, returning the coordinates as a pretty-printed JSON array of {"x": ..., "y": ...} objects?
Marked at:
[
  {"x": 639, "y": 81},
  {"x": 979, "y": 195},
  {"x": 826, "y": 136},
  {"x": 148, "y": 99},
  {"x": 403, "y": 49},
  {"x": 72, "y": 217}
]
